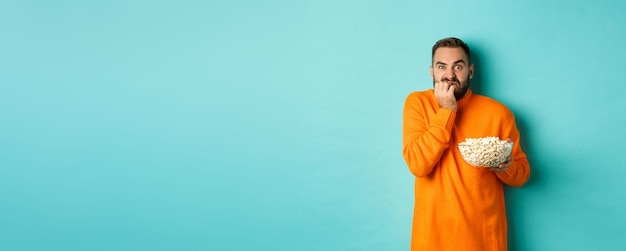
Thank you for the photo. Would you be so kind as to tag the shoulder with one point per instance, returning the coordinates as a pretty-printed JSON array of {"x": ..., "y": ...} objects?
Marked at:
[
  {"x": 420, "y": 101},
  {"x": 421, "y": 95},
  {"x": 420, "y": 98},
  {"x": 491, "y": 104}
]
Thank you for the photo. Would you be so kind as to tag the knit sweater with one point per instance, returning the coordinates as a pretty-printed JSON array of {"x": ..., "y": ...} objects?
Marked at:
[{"x": 458, "y": 206}]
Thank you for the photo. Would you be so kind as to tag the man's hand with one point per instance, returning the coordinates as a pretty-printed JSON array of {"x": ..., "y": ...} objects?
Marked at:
[
  {"x": 444, "y": 94},
  {"x": 504, "y": 166}
]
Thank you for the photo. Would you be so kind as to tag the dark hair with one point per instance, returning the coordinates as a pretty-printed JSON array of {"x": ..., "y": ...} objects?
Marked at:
[{"x": 452, "y": 42}]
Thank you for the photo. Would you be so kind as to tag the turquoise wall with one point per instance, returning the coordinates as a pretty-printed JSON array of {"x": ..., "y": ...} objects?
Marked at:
[{"x": 276, "y": 125}]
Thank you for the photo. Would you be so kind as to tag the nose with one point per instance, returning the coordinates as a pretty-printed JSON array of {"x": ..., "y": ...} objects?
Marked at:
[{"x": 449, "y": 73}]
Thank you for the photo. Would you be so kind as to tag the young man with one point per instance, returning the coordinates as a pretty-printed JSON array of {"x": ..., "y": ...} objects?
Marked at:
[{"x": 457, "y": 206}]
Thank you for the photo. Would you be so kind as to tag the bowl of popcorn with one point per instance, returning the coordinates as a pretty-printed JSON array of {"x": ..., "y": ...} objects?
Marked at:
[{"x": 486, "y": 151}]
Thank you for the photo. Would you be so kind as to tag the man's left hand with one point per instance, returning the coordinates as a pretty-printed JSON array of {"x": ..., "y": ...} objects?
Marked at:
[{"x": 504, "y": 166}]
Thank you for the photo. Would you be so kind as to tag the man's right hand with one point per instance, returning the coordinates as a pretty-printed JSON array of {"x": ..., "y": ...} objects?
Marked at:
[{"x": 444, "y": 94}]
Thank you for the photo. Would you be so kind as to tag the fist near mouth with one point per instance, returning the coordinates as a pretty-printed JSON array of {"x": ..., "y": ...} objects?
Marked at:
[{"x": 444, "y": 94}]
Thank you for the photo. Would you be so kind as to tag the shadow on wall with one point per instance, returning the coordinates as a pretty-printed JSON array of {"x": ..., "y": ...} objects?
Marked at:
[
  {"x": 513, "y": 196},
  {"x": 480, "y": 84}
]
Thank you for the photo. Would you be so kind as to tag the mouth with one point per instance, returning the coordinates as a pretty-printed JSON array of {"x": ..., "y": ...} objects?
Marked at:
[{"x": 453, "y": 83}]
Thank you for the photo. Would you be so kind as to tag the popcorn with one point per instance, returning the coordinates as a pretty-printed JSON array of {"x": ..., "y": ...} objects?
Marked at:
[{"x": 486, "y": 151}]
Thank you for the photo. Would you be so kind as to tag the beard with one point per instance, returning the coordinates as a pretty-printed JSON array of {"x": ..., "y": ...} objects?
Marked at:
[{"x": 461, "y": 86}]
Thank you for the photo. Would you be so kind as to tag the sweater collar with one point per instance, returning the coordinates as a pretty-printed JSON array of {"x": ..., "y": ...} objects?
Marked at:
[{"x": 464, "y": 100}]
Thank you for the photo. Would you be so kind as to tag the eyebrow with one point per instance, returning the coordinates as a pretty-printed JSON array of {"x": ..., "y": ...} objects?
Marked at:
[{"x": 455, "y": 62}]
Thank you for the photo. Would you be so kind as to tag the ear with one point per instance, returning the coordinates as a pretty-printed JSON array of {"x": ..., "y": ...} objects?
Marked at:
[{"x": 471, "y": 71}]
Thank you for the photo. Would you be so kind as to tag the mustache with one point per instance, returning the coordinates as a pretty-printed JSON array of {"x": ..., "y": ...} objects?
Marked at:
[{"x": 450, "y": 80}]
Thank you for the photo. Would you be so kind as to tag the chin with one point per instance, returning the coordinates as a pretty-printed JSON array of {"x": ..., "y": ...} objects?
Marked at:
[{"x": 460, "y": 95}]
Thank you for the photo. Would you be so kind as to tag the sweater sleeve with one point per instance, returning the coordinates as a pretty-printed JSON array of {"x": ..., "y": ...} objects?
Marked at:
[
  {"x": 424, "y": 140},
  {"x": 519, "y": 171}
]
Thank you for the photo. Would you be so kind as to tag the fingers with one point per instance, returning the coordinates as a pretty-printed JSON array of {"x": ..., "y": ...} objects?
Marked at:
[
  {"x": 450, "y": 89},
  {"x": 445, "y": 87},
  {"x": 498, "y": 169},
  {"x": 442, "y": 85},
  {"x": 444, "y": 95},
  {"x": 506, "y": 162},
  {"x": 504, "y": 166},
  {"x": 508, "y": 159}
]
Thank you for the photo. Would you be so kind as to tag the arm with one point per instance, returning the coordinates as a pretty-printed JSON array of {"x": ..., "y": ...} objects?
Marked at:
[
  {"x": 518, "y": 170},
  {"x": 426, "y": 134}
]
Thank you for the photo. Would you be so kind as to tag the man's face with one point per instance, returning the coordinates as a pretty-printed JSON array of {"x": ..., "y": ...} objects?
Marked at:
[{"x": 452, "y": 65}]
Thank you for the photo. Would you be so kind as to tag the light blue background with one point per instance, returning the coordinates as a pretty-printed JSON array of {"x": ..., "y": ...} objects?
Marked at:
[{"x": 276, "y": 125}]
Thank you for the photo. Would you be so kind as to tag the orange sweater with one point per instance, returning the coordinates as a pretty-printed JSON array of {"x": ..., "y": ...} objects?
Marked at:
[{"x": 458, "y": 206}]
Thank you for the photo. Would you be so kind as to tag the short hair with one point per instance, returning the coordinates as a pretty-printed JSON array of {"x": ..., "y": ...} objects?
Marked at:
[{"x": 452, "y": 42}]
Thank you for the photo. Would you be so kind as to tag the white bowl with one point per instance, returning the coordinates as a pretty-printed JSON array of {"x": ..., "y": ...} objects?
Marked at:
[{"x": 486, "y": 151}]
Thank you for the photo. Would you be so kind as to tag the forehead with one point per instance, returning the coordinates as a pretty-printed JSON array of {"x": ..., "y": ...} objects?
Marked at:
[{"x": 449, "y": 55}]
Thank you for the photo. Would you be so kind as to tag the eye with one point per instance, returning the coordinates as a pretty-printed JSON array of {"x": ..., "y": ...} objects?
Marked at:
[
  {"x": 458, "y": 67},
  {"x": 441, "y": 67}
]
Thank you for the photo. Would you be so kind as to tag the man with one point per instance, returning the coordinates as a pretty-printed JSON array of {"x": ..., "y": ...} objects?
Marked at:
[{"x": 457, "y": 206}]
